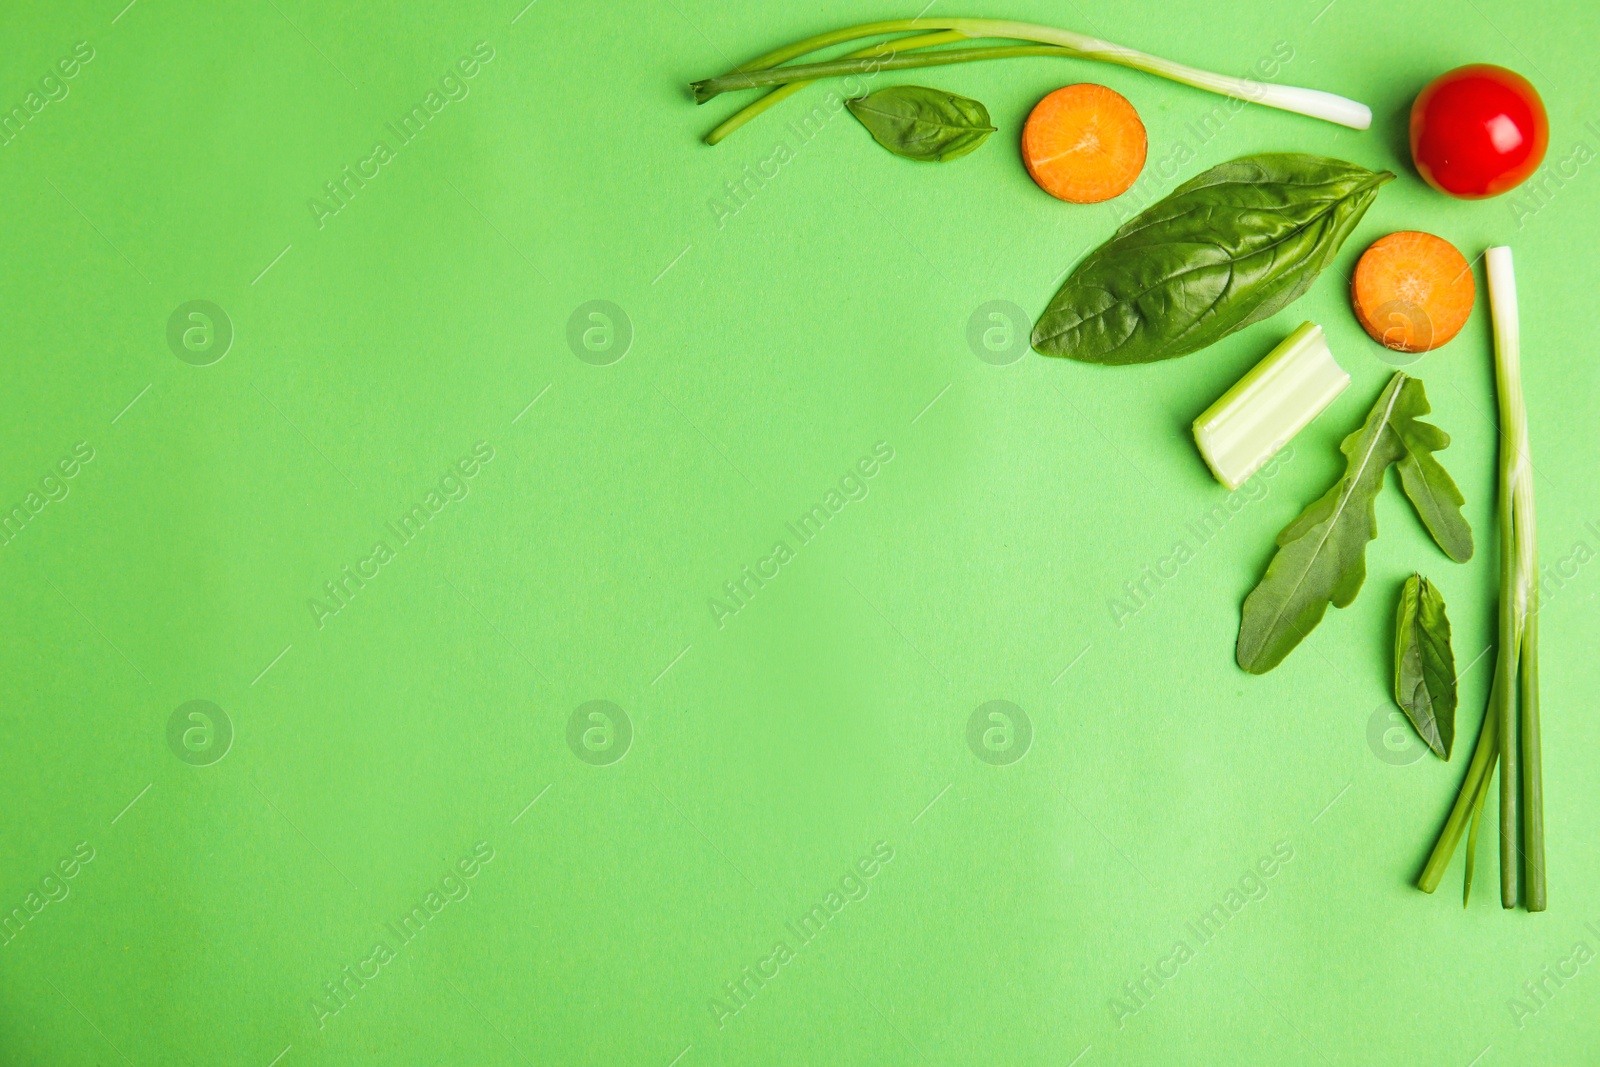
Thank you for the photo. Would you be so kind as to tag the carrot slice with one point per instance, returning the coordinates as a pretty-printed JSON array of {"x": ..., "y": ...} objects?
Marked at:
[
  {"x": 1412, "y": 291},
  {"x": 1084, "y": 144}
]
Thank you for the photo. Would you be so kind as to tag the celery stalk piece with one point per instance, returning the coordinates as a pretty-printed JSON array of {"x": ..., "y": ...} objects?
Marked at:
[{"x": 1268, "y": 406}]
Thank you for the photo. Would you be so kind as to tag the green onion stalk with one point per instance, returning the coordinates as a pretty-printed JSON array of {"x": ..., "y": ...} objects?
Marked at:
[
  {"x": 921, "y": 50},
  {"x": 1510, "y": 733}
]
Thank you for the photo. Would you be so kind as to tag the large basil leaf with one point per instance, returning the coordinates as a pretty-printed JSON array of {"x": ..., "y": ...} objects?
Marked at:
[
  {"x": 925, "y": 124},
  {"x": 1225, "y": 249},
  {"x": 1424, "y": 665}
]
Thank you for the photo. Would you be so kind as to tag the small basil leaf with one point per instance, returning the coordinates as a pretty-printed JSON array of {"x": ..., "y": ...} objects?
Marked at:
[
  {"x": 1429, "y": 486},
  {"x": 1225, "y": 249},
  {"x": 1424, "y": 665},
  {"x": 924, "y": 124}
]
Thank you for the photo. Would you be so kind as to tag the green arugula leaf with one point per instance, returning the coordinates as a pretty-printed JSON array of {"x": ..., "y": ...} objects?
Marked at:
[
  {"x": 929, "y": 125},
  {"x": 1225, "y": 249},
  {"x": 1321, "y": 555},
  {"x": 1429, "y": 486},
  {"x": 1424, "y": 665}
]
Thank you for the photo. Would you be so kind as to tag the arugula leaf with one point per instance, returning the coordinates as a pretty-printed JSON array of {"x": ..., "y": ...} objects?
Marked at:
[
  {"x": 1321, "y": 555},
  {"x": 1225, "y": 249},
  {"x": 929, "y": 125},
  {"x": 1424, "y": 665},
  {"x": 1429, "y": 486}
]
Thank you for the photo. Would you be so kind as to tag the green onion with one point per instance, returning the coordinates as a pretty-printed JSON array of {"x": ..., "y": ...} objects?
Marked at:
[
  {"x": 766, "y": 70},
  {"x": 1510, "y": 734}
]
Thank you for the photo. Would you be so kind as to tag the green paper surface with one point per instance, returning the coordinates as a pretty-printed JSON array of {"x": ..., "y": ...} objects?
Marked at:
[{"x": 646, "y": 605}]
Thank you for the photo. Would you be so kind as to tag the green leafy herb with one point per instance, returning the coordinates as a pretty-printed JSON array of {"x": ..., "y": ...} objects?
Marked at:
[
  {"x": 925, "y": 124},
  {"x": 1430, "y": 488},
  {"x": 1424, "y": 665},
  {"x": 1321, "y": 557},
  {"x": 1225, "y": 249}
]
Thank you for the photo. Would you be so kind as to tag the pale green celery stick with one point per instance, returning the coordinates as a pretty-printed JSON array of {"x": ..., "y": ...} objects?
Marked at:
[{"x": 1268, "y": 406}]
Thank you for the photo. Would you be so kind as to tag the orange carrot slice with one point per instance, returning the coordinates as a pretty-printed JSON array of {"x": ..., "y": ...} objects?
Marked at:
[
  {"x": 1084, "y": 144},
  {"x": 1412, "y": 291}
]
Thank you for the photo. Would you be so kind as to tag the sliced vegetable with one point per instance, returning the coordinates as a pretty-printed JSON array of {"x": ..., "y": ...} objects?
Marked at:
[
  {"x": 912, "y": 51},
  {"x": 1478, "y": 131},
  {"x": 1269, "y": 405},
  {"x": 1321, "y": 557},
  {"x": 1084, "y": 144},
  {"x": 929, "y": 125},
  {"x": 1424, "y": 665},
  {"x": 1412, "y": 291},
  {"x": 1225, "y": 249},
  {"x": 1511, "y": 724}
]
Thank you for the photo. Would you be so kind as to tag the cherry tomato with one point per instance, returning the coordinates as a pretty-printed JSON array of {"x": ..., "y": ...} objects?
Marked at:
[{"x": 1478, "y": 131}]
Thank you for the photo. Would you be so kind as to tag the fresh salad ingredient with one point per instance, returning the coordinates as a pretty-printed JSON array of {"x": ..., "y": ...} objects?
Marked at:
[
  {"x": 919, "y": 50},
  {"x": 924, "y": 124},
  {"x": 1412, "y": 291},
  {"x": 1227, "y": 248},
  {"x": 1268, "y": 406},
  {"x": 1084, "y": 144},
  {"x": 1478, "y": 131},
  {"x": 1424, "y": 665},
  {"x": 1510, "y": 733},
  {"x": 1321, "y": 557},
  {"x": 1429, "y": 487}
]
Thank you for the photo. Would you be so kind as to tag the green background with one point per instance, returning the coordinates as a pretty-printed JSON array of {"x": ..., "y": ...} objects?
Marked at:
[{"x": 772, "y": 349}]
